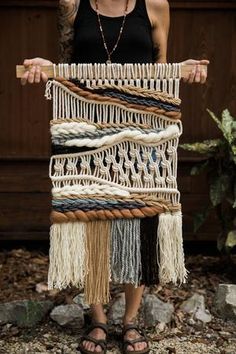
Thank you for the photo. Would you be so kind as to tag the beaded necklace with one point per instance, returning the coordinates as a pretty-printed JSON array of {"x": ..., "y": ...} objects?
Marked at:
[{"x": 109, "y": 53}]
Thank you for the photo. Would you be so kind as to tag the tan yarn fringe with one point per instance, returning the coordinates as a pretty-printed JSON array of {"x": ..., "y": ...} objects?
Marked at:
[
  {"x": 170, "y": 252},
  {"x": 67, "y": 255},
  {"x": 96, "y": 288}
]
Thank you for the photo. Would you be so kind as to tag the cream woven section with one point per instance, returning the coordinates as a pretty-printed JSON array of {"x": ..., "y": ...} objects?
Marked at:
[
  {"x": 129, "y": 161},
  {"x": 124, "y": 167}
]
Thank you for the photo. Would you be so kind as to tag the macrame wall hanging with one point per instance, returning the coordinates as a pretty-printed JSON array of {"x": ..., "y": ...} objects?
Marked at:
[{"x": 116, "y": 213}]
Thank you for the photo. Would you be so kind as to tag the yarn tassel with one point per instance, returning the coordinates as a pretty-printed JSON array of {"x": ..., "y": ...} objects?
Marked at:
[
  {"x": 170, "y": 254},
  {"x": 67, "y": 255},
  {"x": 96, "y": 288},
  {"x": 148, "y": 236},
  {"x": 126, "y": 253}
]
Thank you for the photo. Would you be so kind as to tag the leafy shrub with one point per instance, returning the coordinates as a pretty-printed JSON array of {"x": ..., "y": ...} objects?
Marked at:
[{"x": 220, "y": 166}]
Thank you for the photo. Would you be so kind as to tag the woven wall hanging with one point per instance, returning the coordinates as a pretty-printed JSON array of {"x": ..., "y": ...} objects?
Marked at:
[{"x": 116, "y": 213}]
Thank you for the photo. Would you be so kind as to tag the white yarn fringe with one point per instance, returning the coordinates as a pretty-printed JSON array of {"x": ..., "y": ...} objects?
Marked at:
[
  {"x": 170, "y": 253},
  {"x": 67, "y": 255}
]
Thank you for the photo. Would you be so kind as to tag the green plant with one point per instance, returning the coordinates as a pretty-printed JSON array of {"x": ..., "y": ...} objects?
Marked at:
[{"x": 220, "y": 165}]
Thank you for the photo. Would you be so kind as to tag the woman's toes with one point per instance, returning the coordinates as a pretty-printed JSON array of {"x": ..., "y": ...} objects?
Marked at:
[
  {"x": 85, "y": 344},
  {"x": 91, "y": 347},
  {"x": 138, "y": 346},
  {"x": 96, "y": 333},
  {"x": 130, "y": 348},
  {"x": 143, "y": 345},
  {"x": 98, "y": 349}
]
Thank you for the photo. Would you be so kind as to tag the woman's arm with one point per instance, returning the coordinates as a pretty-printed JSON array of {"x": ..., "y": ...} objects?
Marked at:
[
  {"x": 66, "y": 16},
  {"x": 159, "y": 15}
]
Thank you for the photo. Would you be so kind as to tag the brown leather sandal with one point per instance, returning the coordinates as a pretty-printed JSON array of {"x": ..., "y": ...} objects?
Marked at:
[
  {"x": 127, "y": 342},
  {"x": 87, "y": 337}
]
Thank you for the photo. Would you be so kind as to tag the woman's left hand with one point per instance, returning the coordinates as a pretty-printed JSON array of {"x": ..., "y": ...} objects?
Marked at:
[{"x": 198, "y": 73}]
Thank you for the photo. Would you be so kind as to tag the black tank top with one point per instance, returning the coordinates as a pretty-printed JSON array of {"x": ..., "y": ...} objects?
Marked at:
[{"x": 135, "y": 44}]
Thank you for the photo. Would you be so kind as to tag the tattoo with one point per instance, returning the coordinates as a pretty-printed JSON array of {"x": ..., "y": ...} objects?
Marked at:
[{"x": 66, "y": 14}]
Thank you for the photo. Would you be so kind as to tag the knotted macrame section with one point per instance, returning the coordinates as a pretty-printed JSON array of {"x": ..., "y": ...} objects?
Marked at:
[{"x": 113, "y": 170}]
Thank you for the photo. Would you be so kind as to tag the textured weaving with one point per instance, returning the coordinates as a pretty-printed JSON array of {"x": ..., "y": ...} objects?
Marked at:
[{"x": 115, "y": 202}]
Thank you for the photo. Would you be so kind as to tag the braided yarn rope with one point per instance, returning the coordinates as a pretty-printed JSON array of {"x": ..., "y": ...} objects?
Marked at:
[{"x": 114, "y": 164}]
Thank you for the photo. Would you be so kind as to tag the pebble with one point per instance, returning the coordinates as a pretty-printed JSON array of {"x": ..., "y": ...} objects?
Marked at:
[
  {"x": 191, "y": 321},
  {"x": 48, "y": 338},
  {"x": 70, "y": 316},
  {"x": 225, "y": 301},
  {"x": 224, "y": 334},
  {"x": 182, "y": 345},
  {"x": 156, "y": 311},
  {"x": 160, "y": 327}
]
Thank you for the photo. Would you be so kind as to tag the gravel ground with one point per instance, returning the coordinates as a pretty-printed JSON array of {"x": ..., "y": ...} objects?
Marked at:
[
  {"x": 22, "y": 270},
  {"x": 50, "y": 338}
]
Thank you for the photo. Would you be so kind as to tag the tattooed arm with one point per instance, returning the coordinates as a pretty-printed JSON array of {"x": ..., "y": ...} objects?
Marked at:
[{"x": 66, "y": 16}]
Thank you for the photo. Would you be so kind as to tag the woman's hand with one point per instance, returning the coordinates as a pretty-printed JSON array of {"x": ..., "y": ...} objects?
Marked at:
[
  {"x": 34, "y": 74},
  {"x": 198, "y": 73}
]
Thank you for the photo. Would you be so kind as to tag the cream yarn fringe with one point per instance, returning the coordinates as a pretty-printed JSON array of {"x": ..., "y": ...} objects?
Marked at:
[
  {"x": 67, "y": 255},
  {"x": 170, "y": 253}
]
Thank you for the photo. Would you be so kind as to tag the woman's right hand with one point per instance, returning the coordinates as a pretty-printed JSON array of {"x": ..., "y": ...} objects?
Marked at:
[{"x": 34, "y": 74}]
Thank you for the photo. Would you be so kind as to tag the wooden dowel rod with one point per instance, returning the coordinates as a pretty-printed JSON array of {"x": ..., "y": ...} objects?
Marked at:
[{"x": 48, "y": 70}]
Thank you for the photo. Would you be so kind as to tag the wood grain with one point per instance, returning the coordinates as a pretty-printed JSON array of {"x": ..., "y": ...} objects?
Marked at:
[{"x": 49, "y": 71}]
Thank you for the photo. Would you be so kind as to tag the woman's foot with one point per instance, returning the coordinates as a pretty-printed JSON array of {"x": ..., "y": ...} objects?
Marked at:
[
  {"x": 134, "y": 339},
  {"x": 133, "y": 297},
  {"x": 94, "y": 341}
]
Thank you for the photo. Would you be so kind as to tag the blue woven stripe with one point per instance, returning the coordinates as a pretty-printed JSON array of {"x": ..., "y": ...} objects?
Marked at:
[
  {"x": 149, "y": 102},
  {"x": 64, "y": 205}
]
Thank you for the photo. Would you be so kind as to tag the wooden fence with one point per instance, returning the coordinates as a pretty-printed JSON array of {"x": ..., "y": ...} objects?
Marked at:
[{"x": 199, "y": 29}]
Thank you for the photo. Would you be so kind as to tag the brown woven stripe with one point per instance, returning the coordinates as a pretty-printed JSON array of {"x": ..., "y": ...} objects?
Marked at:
[{"x": 80, "y": 215}]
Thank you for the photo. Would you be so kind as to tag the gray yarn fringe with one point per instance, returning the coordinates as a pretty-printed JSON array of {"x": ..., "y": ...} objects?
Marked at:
[{"x": 126, "y": 264}]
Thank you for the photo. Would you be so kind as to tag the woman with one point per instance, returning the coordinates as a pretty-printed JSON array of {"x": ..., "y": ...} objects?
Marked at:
[{"x": 117, "y": 31}]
